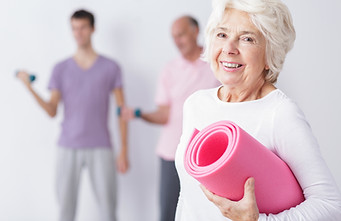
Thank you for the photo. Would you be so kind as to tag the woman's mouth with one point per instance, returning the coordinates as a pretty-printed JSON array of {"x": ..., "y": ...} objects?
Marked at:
[{"x": 231, "y": 66}]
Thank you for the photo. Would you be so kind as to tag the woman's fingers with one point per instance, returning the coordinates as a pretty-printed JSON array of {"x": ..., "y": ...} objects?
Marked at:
[
  {"x": 207, "y": 193},
  {"x": 244, "y": 209},
  {"x": 219, "y": 201},
  {"x": 249, "y": 189}
]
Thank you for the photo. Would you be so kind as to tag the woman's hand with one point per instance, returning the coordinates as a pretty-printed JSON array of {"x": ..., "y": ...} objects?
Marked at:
[{"x": 244, "y": 210}]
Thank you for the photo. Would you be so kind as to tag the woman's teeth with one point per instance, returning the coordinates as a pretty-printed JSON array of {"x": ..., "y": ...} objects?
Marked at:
[{"x": 231, "y": 65}]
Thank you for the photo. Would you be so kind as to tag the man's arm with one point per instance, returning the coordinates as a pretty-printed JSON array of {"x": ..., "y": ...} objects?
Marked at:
[
  {"x": 49, "y": 106},
  {"x": 160, "y": 116},
  {"x": 122, "y": 159}
]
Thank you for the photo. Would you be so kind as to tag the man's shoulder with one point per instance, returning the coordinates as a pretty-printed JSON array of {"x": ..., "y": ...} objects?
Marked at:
[
  {"x": 63, "y": 62},
  {"x": 173, "y": 67},
  {"x": 108, "y": 61},
  {"x": 174, "y": 62},
  {"x": 61, "y": 65},
  {"x": 180, "y": 62}
]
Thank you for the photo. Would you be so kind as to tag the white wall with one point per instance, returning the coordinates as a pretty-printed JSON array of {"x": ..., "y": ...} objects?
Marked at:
[{"x": 36, "y": 34}]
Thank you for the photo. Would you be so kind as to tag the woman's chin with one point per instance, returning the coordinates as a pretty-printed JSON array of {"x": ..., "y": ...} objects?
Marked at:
[{"x": 229, "y": 81}]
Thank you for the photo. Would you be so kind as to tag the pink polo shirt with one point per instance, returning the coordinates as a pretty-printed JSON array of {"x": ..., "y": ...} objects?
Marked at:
[{"x": 179, "y": 79}]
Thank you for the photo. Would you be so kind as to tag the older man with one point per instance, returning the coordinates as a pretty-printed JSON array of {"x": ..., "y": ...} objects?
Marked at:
[{"x": 179, "y": 79}]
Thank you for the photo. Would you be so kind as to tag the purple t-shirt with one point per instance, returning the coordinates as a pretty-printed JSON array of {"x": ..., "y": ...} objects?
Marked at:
[{"x": 85, "y": 95}]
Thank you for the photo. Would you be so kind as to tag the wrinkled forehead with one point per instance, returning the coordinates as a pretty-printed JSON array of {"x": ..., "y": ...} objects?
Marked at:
[{"x": 236, "y": 20}]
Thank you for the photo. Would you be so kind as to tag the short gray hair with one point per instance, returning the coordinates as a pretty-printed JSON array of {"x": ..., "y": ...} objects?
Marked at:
[{"x": 271, "y": 17}]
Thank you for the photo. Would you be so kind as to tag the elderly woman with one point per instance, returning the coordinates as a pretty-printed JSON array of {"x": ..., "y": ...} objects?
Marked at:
[{"x": 246, "y": 45}]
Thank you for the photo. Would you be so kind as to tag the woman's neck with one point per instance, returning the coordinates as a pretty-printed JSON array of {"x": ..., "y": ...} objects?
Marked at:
[{"x": 245, "y": 93}]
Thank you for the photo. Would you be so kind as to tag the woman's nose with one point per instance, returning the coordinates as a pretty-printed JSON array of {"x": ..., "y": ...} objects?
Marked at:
[{"x": 230, "y": 47}]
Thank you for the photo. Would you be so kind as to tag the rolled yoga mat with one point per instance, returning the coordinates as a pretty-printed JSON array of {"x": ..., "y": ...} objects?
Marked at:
[{"x": 223, "y": 156}]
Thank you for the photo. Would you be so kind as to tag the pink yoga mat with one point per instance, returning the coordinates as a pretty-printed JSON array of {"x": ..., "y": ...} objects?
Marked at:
[{"x": 222, "y": 156}]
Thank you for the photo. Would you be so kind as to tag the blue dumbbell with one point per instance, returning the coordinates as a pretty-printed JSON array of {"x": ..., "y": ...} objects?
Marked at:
[{"x": 31, "y": 76}]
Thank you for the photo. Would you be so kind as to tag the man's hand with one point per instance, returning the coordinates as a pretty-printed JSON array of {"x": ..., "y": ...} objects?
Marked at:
[
  {"x": 122, "y": 162},
  {"x": 25, "y": 78},
  {"x": 127, "y": 113}
]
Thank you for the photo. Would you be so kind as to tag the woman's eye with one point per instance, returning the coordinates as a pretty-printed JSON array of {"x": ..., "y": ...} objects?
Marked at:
[
  {"x": 248, "y": 39},
  {"x": 221, "y": 35}
]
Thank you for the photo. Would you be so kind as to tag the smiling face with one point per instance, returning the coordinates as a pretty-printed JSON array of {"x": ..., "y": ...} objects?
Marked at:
[{"x": 238, "y": 51}]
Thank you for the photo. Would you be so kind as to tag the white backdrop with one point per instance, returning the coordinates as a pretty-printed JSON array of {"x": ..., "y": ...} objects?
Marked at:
[{"x": 36, "y": 34}]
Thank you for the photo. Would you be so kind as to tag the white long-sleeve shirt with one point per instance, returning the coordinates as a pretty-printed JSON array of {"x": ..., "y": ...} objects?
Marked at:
[{"x": 276, "y": 122}]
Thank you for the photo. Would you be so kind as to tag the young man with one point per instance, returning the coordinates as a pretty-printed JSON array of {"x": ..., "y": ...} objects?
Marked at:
[
  {"x": 84, "y": 83},
  {"x": 180, "y": 78}
]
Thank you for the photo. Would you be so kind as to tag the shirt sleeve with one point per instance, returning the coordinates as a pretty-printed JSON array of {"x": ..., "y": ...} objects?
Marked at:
[
  {"x": 116, "y": 80},
  {"x": 55, "y": 80},
  {"x": 297, "y": 146},
  {"x": 162, "y": 96}
]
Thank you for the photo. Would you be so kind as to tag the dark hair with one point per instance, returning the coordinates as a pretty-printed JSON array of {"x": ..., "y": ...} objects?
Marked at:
[
  {"x": 83, "y": 14},
  {"x": 193, "y": 21}
]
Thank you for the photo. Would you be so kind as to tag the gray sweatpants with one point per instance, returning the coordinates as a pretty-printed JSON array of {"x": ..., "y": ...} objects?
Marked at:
[
  {"x": 169, "y": 190},
  {"x": 102, "y": 172}
]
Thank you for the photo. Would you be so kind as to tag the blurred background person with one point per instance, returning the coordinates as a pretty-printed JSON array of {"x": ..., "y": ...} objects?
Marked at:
[
  {"x": 84, "y": 83},
  {"x": 179, "y": 78}
]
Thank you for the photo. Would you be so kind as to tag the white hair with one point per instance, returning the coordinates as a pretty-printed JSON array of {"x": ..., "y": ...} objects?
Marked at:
[{"x": 273, "y": 20}]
